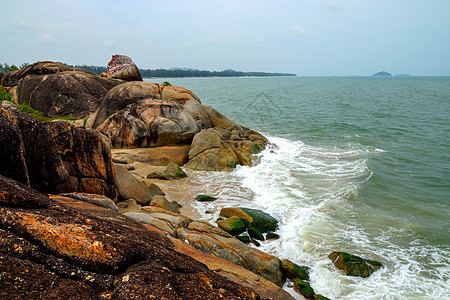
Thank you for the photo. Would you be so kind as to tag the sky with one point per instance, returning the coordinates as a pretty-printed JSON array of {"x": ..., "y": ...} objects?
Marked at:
[{"x": 305, "y": 37}]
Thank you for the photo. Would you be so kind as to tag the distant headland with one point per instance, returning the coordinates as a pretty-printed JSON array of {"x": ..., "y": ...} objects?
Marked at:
[{"x": 382, "y": 73}]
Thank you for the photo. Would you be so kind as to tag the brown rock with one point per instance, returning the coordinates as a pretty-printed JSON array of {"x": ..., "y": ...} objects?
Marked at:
[
  {"x": 210, "y": 239},
  {"x": 161, "y": 201},
  {"x": 150, "y": 123},
  {"x": 129, "y": 187},
  {"x": 88, "y": 253},
  {"x": 160, "y": 156},
  {"x": 122, "y": 67},
  {"x": 38, "y": 68},
  {"x": 73, "y": 92}
]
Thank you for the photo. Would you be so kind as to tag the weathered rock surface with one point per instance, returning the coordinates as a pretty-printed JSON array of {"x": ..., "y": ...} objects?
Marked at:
[
  {"x": 74, "y": 92},
  {"x": 95, "y": 199},
  {"x": 160, "y": 156},
  {"x": 173, "y": 171},
  {"x": 210, "y": 239},
  {"x": 86, "y": 157},
  {"x": 162, "y": 202},
  {"x": 292, "y": 270},
  {"x": 354, "y": 265},
  {"x": 122, "y": 67},
  {"x": 38, "y": 68},
  {"x": 130, "y": 187},
  {"x": 233, "y": 225},
  {"x": 93, "y": 252},
  {"x": 27, "y": 153},
  {"x": 218, "y": 149}
]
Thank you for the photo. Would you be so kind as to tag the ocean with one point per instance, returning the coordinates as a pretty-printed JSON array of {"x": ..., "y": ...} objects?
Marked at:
[{"x": 357, "y": 164}]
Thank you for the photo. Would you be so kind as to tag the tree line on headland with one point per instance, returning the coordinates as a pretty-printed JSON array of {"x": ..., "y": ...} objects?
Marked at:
[{"x": 169, "y": 73}]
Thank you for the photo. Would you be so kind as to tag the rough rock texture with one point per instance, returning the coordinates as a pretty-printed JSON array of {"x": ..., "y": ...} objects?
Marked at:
[
  {"x": 292, "y": 270},
  {"x": 162, "y": 202},
  {"x": 173, "y": 171},
  {"x": 130, "y": 187},
  {"x": 233, "y": 225},
  {"x": 255, "y": 217},
  {"x": 210, "y": 239},
  {"x": 160, "y": 156},
  {"x": 150, "y": 123},
  {"x": 218, "y": 149},
  {"x": 122, "y": 67},
  {"x": 27, "y": 153},
  {"x": 86, "y": 157},
  {"x": 95, "y": 199},
  {"x": 354, "y": 265},
  {"x": 74, "y": 92},
  {"x": 50, "y": 250},
  {"x": 38, "y": 68}
]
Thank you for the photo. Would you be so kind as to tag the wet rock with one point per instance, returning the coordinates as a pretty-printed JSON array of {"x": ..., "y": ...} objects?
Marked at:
[
  {"x": 205, "y": 198},
  {"x": 255, "y": 234},
  {"x": 210, "y": 239},
  {"x": 122, "y": 67},
  {"x": 354, "y": 265},
  {"x": 255, "y": 217},
  {"x": 292, "y": 270},
  {"x": 162, "y": 202},
  {"x": 130, "y": 187},
  {"x": 304, "y": 288},
  {"x": 272, "y": 236},
  {"x": 233, "y": 225}
]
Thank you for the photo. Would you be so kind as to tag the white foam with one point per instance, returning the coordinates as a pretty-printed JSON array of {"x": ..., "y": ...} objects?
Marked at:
[{"x": 313, "y": 192}]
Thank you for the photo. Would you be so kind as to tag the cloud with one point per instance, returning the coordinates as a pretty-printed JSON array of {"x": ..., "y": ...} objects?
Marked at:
[
  {"x": 108, "y": 43},
  {"x": 187, "y": 43},
  {"x": 260, "y": 41},
  {"x": 297, "y": 30},
  {"x": 46, "y": 38}
]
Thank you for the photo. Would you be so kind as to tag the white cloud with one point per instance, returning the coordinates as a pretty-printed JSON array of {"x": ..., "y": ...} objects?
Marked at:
[
  {"x": 212, "y": 40},
  {"x": 297, "y": 30},
  {"x": 333, "y": 5},
  {"x": 46, "y": 38},
  {"x": 20, "y": 24},
  {"x": 260, "y": 41}
]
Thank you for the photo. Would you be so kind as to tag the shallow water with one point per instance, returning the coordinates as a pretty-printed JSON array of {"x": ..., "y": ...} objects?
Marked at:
[{"x": 360, "y": 165}]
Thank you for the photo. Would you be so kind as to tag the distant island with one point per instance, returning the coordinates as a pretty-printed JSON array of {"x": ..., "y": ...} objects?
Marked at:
[
  {"x": 382, "y": 73},
  {"x": 188, "y": 72}
]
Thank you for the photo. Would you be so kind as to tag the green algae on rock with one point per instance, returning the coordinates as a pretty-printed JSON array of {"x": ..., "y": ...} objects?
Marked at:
[{"x": 354, "y": 265}]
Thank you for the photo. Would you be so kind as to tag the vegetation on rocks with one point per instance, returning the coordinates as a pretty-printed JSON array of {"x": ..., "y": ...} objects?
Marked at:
[{"x": 354, "y": 265}]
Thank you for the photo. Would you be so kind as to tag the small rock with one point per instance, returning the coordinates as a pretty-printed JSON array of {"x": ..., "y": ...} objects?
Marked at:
[
  {"x": 205, "y": 198},
  {"x": 272, "y": 236},
  {"x": 244, "y": 238},
  {"x": 255, "y": 234},
  {"x": 354, "y": 265}
]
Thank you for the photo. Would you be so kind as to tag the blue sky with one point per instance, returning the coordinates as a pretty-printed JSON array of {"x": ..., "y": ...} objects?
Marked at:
[{"x": 311, "y": 38}]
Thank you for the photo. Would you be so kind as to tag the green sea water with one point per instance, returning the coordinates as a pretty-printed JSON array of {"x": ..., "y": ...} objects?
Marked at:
[{"x": 360, "y": 164}]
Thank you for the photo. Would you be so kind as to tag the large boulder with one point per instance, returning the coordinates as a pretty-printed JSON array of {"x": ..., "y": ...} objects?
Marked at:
[
  {"x": 150, "y": 123},
  {"x": 73, "y": 92},
  {"x": 120, "y": 97},
  {"x": 87, "y": 253},
  {"x": 38, "y": 68},
  {"x": 54, "y": 157},
  {"x": 219, "y": 149},
  {"x": 354, "y": 265},
  {"x": 86, "y": 157},
  {"x": 255, "y": 218},
  {"x": 122, "y": 67}
]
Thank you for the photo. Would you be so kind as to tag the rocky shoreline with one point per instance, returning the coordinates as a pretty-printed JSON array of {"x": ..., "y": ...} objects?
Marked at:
[{"x": 80, "y": 220}]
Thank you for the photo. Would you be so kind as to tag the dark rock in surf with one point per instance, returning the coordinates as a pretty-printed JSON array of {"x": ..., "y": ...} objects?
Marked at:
[{"x": 354, "y": 265}]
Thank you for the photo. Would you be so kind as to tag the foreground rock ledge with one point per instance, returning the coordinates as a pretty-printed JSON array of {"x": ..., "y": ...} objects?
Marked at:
[{"x": 50, "y": 250}]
